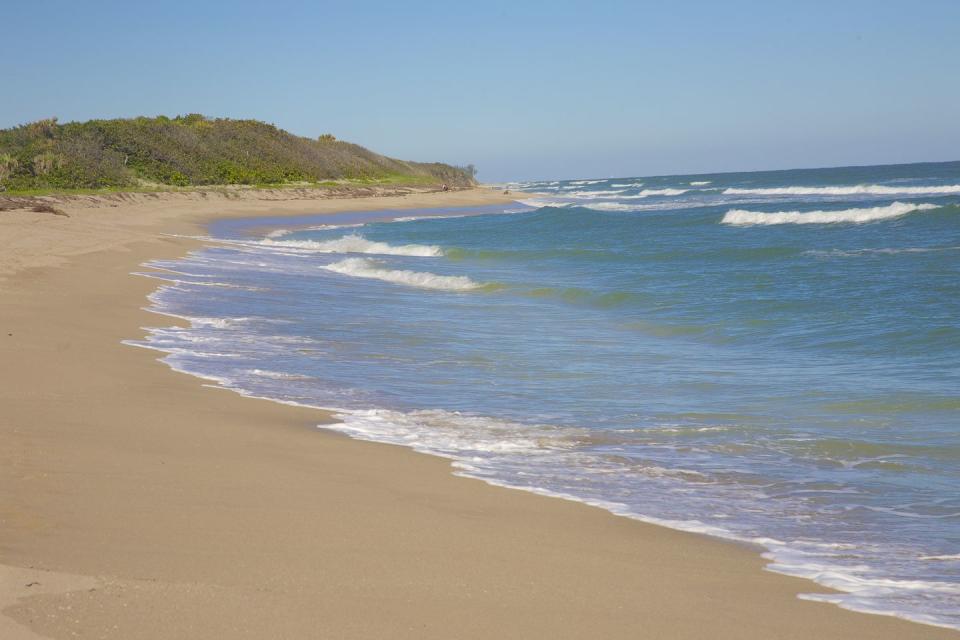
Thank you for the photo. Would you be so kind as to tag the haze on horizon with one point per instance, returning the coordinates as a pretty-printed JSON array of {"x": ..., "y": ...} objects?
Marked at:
[{"x": 530, "y": 90}]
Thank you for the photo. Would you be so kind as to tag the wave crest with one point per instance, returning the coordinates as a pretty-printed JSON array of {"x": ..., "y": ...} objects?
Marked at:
[
  {"x": 853, "y": 190},
  {"x": 868, "y": 214},
  {"x": 366, "y": 268},
  {"x": 354, "y": 243}
]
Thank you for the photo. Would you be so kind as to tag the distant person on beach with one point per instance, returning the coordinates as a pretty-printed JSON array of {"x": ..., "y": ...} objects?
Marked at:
[{"x": 444, "y": 187}]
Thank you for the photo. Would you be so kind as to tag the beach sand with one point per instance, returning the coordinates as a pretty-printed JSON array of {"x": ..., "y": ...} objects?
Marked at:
[{"x": 137, "y": 502}]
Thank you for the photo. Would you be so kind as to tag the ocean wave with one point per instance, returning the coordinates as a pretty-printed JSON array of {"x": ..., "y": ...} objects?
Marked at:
[
  {"x": 492, "y": 450},
  {"x": 628, "y": 184},
  {"x": 868, "y": 214},
  {"x": 276, "y": 375},
  {"x": 848, "y": 253},
  {"x": 356, "y": 244},
  {"x": 853, "y": 190},
  {"x": 700, "y": 183},
  {"x": 427, "y": 217},
  {"x": 593, "y": 194},
  {"x": 612, "y": 206},
  {"x": 366, "y": 268},
  {"x": 645, "y": 193},
  {"x": 539, "y": 202},
  {"x": 609, "y": 195},
  {"x": 279, "y": 233}
]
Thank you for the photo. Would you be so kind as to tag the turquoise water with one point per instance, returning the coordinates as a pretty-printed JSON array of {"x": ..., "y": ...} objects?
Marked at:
[{"x": 771, "y": 357}]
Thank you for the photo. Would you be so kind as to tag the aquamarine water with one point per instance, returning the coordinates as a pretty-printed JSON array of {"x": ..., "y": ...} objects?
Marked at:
[{"x": 771, "y": 357}]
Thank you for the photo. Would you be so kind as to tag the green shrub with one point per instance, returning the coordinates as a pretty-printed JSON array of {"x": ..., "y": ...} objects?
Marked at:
[{"x": 191, "y": 150}]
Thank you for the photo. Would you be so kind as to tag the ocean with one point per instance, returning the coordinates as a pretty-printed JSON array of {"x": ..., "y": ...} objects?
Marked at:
[{"x": 770, "y": 357}]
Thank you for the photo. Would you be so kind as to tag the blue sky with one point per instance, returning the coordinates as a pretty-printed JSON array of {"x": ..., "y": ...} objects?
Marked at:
[{"x": 521, "y": 89}]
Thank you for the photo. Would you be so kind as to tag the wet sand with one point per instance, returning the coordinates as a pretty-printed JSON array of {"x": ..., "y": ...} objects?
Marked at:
[{"x": 137, "y": 502}]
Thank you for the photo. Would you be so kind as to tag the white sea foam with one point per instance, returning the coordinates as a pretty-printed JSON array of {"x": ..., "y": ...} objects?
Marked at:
[
  {"x": 355, "y": 244},
  {"x": 594, "y": 194},
  {"x": 700, "y": 183},
  {"x": 478, "y": 445},
  {"x": 612, "y": 206},
  {"x": 868, "y": 214},
  {"x": 276, "y": 375},
  {"x": 662, "y": 192},
  {"x": 200, "y": 283},
  {"x": 486, "y": 448},
  {"x": 216, "y": 323},
  {"x": 628, "y": 184},
  {"x": 608, "y": 195},
  {"x": 646, "y": 193},
  {"x": 279, "y": 233},
  {"x": 427, "y": 217},
  {"x": 538, "y": 202},
  {"x": 473, "y": 441},
  {"x": 366, "y": 268},
  {"x": 449, "y": 432},
  {"x": 852, "y": 190},
  {"x": 586, "y": 181}
]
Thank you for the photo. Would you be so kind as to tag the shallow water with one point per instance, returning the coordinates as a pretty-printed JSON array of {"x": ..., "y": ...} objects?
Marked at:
[{"x": 763, "y": 356}]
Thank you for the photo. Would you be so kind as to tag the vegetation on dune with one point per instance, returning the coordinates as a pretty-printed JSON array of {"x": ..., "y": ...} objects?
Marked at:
[{"x": 193, "y": 150}]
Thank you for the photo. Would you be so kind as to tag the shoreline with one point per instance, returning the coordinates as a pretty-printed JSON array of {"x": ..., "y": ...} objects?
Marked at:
[{"x": 138, "y": 497}]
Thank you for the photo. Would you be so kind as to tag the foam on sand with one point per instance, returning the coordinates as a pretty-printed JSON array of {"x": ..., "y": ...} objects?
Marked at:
[
  {"x": 868, "y": 214},
  {"x": 366, "y": 268}
]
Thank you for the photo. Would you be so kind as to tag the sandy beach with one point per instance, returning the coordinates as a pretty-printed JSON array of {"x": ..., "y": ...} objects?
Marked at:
[{"x": 138, "y": 502}]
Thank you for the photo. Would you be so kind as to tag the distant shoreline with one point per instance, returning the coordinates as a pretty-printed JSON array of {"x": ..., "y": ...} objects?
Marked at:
[{"x": 63, "y": 201}]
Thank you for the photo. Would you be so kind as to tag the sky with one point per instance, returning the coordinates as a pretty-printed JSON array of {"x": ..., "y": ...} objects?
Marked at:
[{"x": 523, "y": 90}]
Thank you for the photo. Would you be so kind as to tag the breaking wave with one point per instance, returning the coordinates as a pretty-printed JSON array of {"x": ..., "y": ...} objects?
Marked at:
[
  {"x": 868, "y": 214},
  {"x": 612, "y": 206},
  {"x": 366, "y": 268},
  {"x": 354, "y": 243},
  {"x": 661, "y": 192},
  {"x": 854, "y": 190}
]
